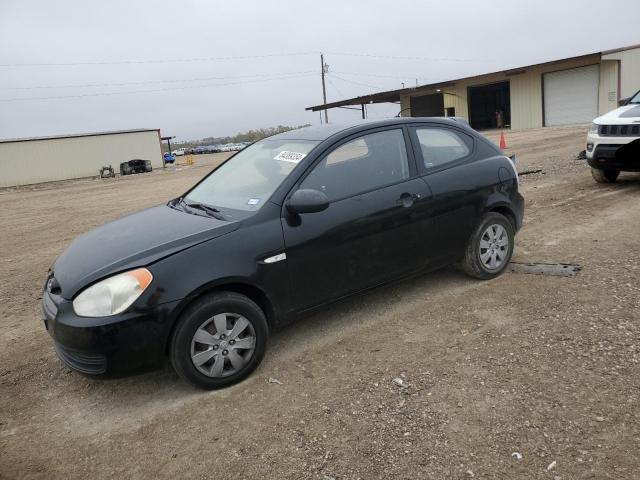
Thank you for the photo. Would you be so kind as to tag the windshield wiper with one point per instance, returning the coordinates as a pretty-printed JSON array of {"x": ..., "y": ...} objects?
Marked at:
[{"x": 211, "y": 211}]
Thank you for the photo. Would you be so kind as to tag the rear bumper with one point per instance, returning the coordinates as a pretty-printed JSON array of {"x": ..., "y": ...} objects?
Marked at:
[
  {"x": 518, "y": 206},
  {"x": 125, "y": 343}
]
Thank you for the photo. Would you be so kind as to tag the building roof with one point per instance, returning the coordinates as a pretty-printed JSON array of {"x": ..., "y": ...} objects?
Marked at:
[
  {"x": 394, "y": 95},
  {"x": 75, "y": 135}
]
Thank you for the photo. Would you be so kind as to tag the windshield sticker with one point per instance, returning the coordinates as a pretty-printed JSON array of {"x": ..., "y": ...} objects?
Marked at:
[
  {"x": 292, "y": 157},
  {"x": 253, "y": 201}
]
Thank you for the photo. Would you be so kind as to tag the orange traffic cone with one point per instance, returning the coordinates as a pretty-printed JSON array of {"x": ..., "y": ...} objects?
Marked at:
[{"x": 503, "y": 144}]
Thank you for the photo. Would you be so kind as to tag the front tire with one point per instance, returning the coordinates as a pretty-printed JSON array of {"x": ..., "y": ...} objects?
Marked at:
[
  {"x": 604, "y": 176},
  {"x": 490, "y": 247},
  {"x": 219, "y": 340}
]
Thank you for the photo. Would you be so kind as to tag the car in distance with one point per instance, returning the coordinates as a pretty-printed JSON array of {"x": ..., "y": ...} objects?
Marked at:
[
  {"x": 289, "y": 224},
  {"x": 613, "y": 142},
  {"x": 135, "y": 166}
]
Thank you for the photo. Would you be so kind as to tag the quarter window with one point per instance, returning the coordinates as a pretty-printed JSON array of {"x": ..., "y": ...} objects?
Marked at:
[
  {"x": 365, "y": 163},
  {"x": 440, "y": 145}
]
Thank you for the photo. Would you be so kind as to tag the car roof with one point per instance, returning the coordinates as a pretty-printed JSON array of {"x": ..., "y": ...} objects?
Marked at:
[{"x": 319, "y": 133}]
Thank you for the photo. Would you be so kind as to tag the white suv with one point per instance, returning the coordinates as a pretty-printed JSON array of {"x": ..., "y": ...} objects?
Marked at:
[{"x": 613, "y": 142}]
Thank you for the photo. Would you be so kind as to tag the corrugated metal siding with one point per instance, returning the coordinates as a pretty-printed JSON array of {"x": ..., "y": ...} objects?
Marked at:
[
  {"x": 608, "y": 90},
  {"x": 456, "y": 97},
  {"x": 629, "y": 70},
  {"x": 526, "y": 101},
  {"x": 36, "y": 161}
]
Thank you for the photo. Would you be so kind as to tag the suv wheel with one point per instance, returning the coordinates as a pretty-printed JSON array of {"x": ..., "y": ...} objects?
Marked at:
[
  {"x": 490, "y": 247},
  {"x": 604, "y": 176},
  {"x": 219, "y": 341}
]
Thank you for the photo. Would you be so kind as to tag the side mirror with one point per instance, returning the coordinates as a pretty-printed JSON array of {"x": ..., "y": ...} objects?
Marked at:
[
  {"x": 623, "y": 101},
  {"x": 307, "y": 201}
]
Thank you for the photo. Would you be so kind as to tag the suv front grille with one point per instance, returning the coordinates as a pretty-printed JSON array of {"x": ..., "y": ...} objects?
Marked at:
[{"x": 619, "y": 130}]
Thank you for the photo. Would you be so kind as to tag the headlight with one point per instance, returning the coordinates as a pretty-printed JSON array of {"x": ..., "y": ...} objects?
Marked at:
[
  {"x": 112, "y": 295},
  {"x": 594, "y": 128}
]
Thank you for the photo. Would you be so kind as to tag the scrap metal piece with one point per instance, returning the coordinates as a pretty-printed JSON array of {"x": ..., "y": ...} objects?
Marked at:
[{"x": 556, "y": 269}]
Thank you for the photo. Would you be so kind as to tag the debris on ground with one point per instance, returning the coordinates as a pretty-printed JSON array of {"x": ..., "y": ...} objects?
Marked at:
[
  {"x": 582, "y": 155},
  {"x": 400, "y": 382},
  {"x": 516, "y": 455},
  {"x": 470, "y": 473},
  {"x": 555, "y": 269},
  {"x": 530, "y": 172},
  {"x": 551, "y": 466},
  {"x": 274, "y": 380}
]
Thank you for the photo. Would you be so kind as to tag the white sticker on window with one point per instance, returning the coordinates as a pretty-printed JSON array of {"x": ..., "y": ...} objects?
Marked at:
[
  {"x": 253, "y": 201},
  {"x": 292, "y": 157}
]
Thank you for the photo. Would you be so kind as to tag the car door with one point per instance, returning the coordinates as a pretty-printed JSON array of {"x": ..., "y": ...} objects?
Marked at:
[
  {"x": 370, "y": 231},
  {"x": 447, "y": 159}
]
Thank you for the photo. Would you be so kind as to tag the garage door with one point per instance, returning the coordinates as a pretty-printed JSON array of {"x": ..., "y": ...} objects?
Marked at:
[{"x": 571, "y": 96}]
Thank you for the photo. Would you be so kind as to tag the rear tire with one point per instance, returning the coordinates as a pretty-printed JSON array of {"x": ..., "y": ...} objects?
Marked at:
[
  {"x": 205, "y": 347},
  {"x": 490, "y": 247},
  {"x": 604, "y": 176}
]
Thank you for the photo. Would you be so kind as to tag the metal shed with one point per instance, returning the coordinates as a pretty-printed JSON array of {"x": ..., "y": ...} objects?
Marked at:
[
  {"x": 559, "y": 92},
  {"x": 25, "y": 161}
]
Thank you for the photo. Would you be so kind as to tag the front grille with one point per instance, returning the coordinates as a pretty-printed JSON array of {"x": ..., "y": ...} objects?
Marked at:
[
  {"x": 89, "y": 364},
  {"x": 619, "y": 130}
]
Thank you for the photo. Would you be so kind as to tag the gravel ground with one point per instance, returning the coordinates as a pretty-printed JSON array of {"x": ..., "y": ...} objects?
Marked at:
[{"x": 542, "y": 366}]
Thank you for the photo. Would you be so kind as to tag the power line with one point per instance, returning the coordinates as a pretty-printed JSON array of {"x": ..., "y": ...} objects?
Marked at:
[
  {"x": 147, "y": 82},
  {"x": 401, "y": 77},
  {"x": 334, "y": 86},
  {"x": 106, "y": 94},
  {"x": 233, "y": 57},
  {"x": 395, "y": 57},
  {"x": 357, "y": 83},
  {"x": 152, "y": 61}
]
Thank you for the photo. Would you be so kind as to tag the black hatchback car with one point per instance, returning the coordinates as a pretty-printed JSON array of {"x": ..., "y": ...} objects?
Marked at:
[{"x": 285, "y": 226}]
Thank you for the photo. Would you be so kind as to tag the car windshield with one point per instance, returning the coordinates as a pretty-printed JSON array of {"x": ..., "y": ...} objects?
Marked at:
[
  {"x": 249, "y": 178},
  {"x": 635, "y": 98}
]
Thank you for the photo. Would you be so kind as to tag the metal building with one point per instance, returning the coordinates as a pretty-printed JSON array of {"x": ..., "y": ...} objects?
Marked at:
[
  {"x": 25, "y": 161},
  {"x": 560, "y": 92}
]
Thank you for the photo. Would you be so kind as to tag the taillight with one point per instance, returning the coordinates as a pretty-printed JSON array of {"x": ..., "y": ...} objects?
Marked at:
[{"x": 512, "y": 161}]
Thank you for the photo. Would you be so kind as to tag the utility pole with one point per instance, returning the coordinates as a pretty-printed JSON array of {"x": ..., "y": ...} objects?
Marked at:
[{"x": 325, "y": 69}]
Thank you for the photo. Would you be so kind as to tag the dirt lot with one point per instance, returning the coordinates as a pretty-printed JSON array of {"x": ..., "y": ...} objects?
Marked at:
[{"x": 544, "y": 366}]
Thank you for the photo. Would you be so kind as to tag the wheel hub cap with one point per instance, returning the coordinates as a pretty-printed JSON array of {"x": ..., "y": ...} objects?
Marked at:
[
  {"x": 223, "y": 345},
  {"x": 494, "y": 247}
]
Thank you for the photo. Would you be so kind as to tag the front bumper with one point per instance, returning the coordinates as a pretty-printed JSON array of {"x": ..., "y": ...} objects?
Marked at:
[
  {"x": 132, "y": 341},
  {"x": 613, "y": 153}
]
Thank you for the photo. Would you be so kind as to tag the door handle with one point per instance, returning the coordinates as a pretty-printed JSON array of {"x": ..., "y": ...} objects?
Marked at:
[{"x": 407, "y": 199}]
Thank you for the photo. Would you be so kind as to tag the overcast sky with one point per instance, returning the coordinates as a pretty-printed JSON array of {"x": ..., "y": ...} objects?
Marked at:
[{"x": 178, "y": 66}]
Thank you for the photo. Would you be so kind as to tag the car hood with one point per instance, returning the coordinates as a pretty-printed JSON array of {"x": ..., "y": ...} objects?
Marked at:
[
  {"x": 626, "y": 115},
  {"x": 133, "y": 241}
]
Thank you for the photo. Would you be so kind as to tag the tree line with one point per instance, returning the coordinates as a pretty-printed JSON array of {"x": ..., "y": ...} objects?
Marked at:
[{"x": 249, "y": 136}]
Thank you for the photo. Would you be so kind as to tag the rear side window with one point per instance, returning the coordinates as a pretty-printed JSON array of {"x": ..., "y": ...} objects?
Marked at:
[
  {"x": 440, "y": 146},
  {"x": 365, "y": 163}
]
